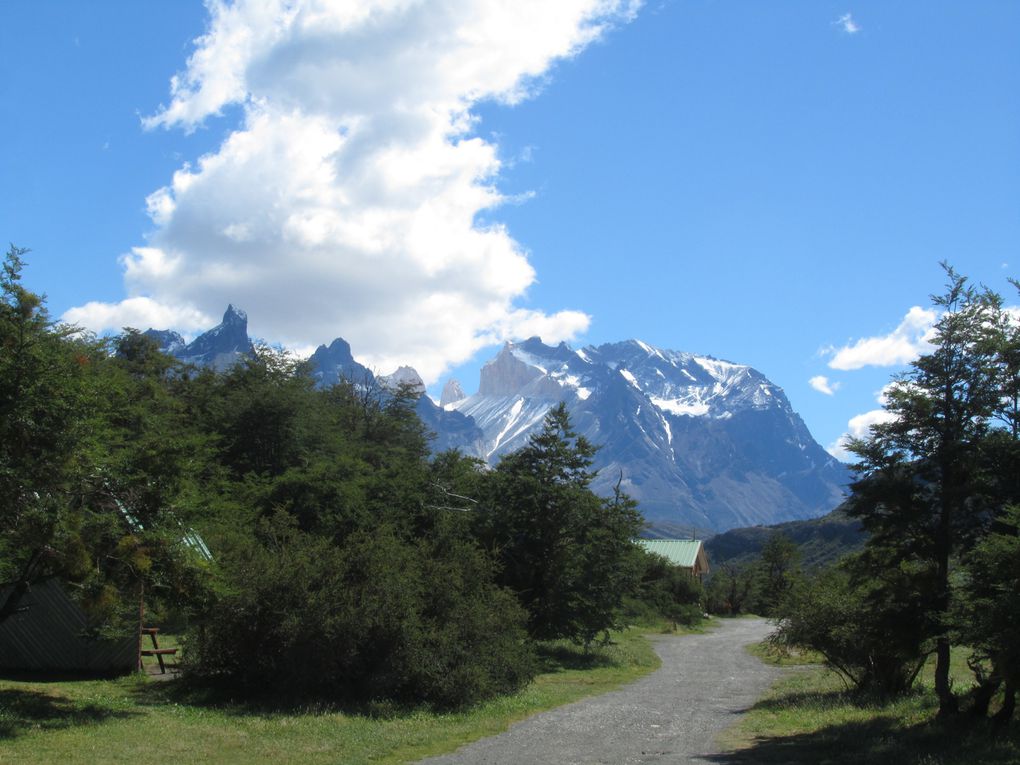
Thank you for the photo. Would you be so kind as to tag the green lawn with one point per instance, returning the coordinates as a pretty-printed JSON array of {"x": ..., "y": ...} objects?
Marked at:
[
  {"x": 809, "y": 717},
  {"x": 138, "y": 720}
]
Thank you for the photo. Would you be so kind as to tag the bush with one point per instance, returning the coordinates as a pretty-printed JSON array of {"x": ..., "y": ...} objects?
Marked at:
[
  {"x": 870, "y": 630},
  {"x": 372, "y": 618},
  {"x": 732, "y": 590},
  {"x": 665, "y": 592}
]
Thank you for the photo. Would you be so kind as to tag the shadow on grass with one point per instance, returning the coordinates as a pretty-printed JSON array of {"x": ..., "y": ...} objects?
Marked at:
[
  {"x": 557, "y": 657},
  {"x": 551, "y": 657},
  {"x": 23, "y": 710},
  {"x": 881, "y": 742},
  {"x": 821, "y": 700},
  {"x": 236, "y": 702}
]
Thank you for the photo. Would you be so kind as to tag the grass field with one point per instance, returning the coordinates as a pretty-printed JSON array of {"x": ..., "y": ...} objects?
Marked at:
[
  {"x": 138, "y": 720},
  {"x": 809, "y": 717}
]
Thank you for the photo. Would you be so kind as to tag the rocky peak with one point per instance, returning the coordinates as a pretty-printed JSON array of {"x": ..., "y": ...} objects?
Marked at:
[
  {"x": 335, "y": 362},
  {"x": 235, "y": 317},
  {"x": 452, "y": 393},
  {"x": 219, "y": 348},
  {"x": 506, "y": 374},
  {"x": 404, "y": 376},
  {"x": 169, "y": 342}
]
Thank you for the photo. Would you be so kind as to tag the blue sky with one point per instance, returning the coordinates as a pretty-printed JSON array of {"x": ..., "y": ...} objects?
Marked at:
[{"x": 768, "y": 183}]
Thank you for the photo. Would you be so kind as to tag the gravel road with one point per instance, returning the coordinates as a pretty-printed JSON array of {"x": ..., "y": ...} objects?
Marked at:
[{"x": 670, "y": 716}]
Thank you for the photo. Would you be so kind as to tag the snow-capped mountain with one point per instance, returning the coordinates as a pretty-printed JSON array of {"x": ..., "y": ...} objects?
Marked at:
[
  {"x": 219, "y": 348},
  {"x": 694, "y": 439},
  {"x": 404, "y": 376},
  {"x": 450, "y": 430}
]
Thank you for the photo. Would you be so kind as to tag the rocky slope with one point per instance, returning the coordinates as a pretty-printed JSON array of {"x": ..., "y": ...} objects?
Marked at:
[{"x": 697, "y": 441}]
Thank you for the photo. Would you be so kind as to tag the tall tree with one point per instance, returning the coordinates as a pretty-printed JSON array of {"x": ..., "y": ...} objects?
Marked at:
[
  {"x": 922, "y": 479},
  {"x": 565, "y": 551},
  {"x": 778, "y": 569},
  {"x": 45, "y": 409}
]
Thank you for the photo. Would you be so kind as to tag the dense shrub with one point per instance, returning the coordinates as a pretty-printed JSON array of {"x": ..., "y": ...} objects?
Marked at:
[
  {"x": 870, "y": 629},
  {"x": 665, "y": 592},
  {"x": 374, "y": 617}
]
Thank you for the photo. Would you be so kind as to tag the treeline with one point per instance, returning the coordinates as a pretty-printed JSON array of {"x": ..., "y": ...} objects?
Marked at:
[
  {"x": 938, "y": 494},
  {"x": 347, "y": 562}
]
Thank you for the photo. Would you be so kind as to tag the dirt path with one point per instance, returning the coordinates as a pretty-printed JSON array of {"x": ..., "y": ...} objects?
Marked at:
[{"x": 670, "y": 716}]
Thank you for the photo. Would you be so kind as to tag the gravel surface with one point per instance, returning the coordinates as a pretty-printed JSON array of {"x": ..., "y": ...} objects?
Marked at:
[{"x": 671, "y": 716}]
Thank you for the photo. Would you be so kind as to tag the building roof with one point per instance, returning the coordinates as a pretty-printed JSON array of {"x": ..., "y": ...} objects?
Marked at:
[{"x": 679, "y": 552}]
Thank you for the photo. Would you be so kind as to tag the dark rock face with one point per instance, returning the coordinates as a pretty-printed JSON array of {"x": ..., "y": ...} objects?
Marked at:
[
  {"x": 168, "y": 341},
  {"x": 451, "y": 430},
  {"x": 219, "y": 348},
  {"x": 697, "y": 441},
  {"x": 334, "y": 363}
]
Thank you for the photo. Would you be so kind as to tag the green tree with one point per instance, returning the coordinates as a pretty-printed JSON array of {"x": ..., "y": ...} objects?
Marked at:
[
  {"x": 922, "y": 480},
  {"x": 778, "y": 569},
  {"x": 90, "y": 462},
  {"x": 866, "y": 618},
  {"x": 374, "y": 616},
  {"x": 988, "y": 614},
  {"x": 46, "y": 404},
  {"x": 665, "y": 591},
  {"x": 732, "y": 589},
  {"x": 564, "y": 551}
]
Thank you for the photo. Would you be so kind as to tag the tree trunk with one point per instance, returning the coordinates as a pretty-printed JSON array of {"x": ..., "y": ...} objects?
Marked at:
[
  {"x": 983, "y": 695},
  {"x": 948, "y": 703},
  {"x": 1004, "y": 715}
]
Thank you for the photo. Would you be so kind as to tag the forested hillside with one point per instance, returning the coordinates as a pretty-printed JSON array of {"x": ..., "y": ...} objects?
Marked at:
[{"x": 820, "y": 541}]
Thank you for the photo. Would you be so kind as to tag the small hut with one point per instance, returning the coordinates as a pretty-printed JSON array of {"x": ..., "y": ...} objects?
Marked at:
[
  {"x": 50, "y": 633},
  {"x": 688, "y": 554},
  {"x": 43, "y": 628}
]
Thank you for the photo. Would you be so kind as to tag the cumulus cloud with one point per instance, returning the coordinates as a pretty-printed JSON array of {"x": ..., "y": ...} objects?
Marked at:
[
  {"x": 901, "y": 346},
  {"x": 847, "y": 24},
  {"x": 347, "y": 201},
  {"x": 822, "y": 384},
  {"x": 137, "y": 312},
  {"x": 860, "y": 426}
]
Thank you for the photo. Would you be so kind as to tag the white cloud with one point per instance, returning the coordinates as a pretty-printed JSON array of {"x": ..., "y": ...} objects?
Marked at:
[
  {"x": 347, "y": 202},
  {"x": 860, "y": 425},
  {"x": 901, "y": 346},
  {"x": 137, "y": 312},
  {"x": 822, "y": 384},
  {"x": 847, "y": 24}
]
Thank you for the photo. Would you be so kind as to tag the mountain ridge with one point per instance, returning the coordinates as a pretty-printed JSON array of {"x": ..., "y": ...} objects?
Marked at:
[{"x": 697, "y": 441}]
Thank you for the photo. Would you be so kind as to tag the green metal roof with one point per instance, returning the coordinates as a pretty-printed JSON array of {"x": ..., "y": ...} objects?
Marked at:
[{"x": 679, "y": 552}]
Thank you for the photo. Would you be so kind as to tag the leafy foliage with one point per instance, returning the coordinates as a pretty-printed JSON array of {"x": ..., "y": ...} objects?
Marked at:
[
  {"x": 866, "y": 621},
  {"x": 666, "y": 591},
  {"x": 935, "y": 492},
  {"x": 564, "y": 551},
  {"x": 921, "y": 493},
  {"x": 373, "y": 617},
  {"x": 988, "y": 612}
]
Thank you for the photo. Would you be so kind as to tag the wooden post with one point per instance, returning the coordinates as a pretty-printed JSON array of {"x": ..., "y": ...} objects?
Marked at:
[{"x": 141, "y": 622}]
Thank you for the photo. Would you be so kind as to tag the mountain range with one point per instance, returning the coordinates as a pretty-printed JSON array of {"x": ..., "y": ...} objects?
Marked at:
[{"x": 697, "y": 441}]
